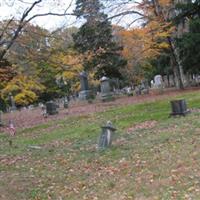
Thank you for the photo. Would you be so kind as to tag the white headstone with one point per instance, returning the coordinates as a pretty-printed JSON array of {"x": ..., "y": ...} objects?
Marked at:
[{"x": 158, "y": 80}]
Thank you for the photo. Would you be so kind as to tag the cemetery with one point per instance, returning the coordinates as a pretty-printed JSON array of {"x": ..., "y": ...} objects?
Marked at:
[
  {"x": 128, "y": 148},
  {"x": 99, "y": 100}
]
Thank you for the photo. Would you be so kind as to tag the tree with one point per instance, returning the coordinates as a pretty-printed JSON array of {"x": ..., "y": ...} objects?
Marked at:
[
  {"x": 8, "y": 35},
  {"x": 189, "y": 43},
  {"x": 159, "y": 14},
  {"x": 24, "y": 89},
  {"x": 95, "y": 40}
]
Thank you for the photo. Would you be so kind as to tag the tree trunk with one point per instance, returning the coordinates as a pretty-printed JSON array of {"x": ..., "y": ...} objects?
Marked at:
[
  {"x": 174, "y": 51},
  {"x": 177, "y": 67}
]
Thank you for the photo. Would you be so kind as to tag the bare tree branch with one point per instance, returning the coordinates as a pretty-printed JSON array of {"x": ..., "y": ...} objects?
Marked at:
[
  {"x": 129, "y": 12},
  {"x": 24, "y": 20}
]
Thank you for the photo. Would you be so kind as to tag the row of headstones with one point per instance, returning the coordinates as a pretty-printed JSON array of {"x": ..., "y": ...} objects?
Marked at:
[
  {"x": 86, "y": 93},
  {"x": 170, "y": 81}
]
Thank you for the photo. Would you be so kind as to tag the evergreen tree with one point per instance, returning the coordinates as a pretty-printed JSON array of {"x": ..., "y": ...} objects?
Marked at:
[
  {"x": 95, "y": 40},
  {"x": 189, "y": 43}
]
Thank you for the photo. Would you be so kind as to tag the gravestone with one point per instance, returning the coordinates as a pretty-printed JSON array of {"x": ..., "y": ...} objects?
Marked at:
[
  {"x": 44, "y": 110},
  {"x": 105, "y": 139},
  {"x": 85, "y": 93},
  {"x": 158, "y": 82},
  {"x": 179, "y": 107},
  {"x": 129, "y": 92},
  {"x": 51, "y": 108},
  {"x": 106, "y": 94},
  {"x": 12, "y": 102},
  {"x": 138, "y": 90},
  {"x": 1, "y": 118},
  {"x": 165, "y": 81},
  {"x": 66, "y": 103},
  {"x": 152, "y": 84},
  {"x": 144, "y": 87}
]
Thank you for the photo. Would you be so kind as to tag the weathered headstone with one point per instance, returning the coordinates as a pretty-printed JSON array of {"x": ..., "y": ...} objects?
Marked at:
[
  {"x": 1, "y": 118},
  {"x": 158, "y": 82},
  {"x": 51, "y": 108},
  {"x": 105, "y": 139},
  {"x": 138, "y": 90},
  {"x": 144, "y": 87},
  {"x": 44, "y": 110},
  {"x": 66, "y": 103},
  {"x": 12, "y": 102},
  {"x": 152, "y": 84},
  {"x": 85, "y": 93},
  {"x": 165, "y": 81},
  {"x": 179, "y": 107},
  {"x": 129, "y": 92},
  {"x": 106, "y": 94}
]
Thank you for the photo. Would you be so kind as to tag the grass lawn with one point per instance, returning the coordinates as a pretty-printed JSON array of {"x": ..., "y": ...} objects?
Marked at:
[{"x": 152, "y": 156}]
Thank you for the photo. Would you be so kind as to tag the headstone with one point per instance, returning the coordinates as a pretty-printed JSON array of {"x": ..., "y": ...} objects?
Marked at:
[
  {"x": 12, "y": 102},
  {"x": 158, "y": 83},
  {"x": 144, "y": 87},
  {"x": 66, "y": 103},
  {"x": 165, "y": 81},
  {"x": 138, "y": 90},
  {"x": 85, "y": 93},
  {"x": 51, "y": 108},
  {"x": 152, "y": 84},
  {"x": 1, "y": 118},
  {"x": 179, "y": 107},
  {"x": 106, "y": 94},
  {"x": 129, "y": 92},
  {"x": 44, "y": 110},
  {"x": 105, "y": 139}
]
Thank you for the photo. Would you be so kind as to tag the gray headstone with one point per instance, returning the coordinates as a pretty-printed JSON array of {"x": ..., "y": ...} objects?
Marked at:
[
  {"x": 158, "y": 83},
  {"x": 106, "y": 94},
  {"x": 1, "y": 118},
  {"x": 66, "y": 103},
  {"x": 84, "y": 81},
  {"x": 105, "y": 139},
  {"x": 51, "y": 108},
  {"x": 158, "y": 80},
  {"x": 12, "y": 102},
  {"x": 85, "y": 93},
  {"x": 152, "y": 84},
  {"x": 165, "y": 81}
]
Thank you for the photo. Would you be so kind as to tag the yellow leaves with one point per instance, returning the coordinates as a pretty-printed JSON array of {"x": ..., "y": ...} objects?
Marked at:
[
  {"x": 69, "y": 75},
  {"x": 25, "y": 97},
  {"x": 23, "y": 89},
  {"x": 163, "y": 45}
]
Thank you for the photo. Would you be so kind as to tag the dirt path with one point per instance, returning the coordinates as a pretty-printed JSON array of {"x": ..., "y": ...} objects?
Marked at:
[{"x": 30, "y": 118}]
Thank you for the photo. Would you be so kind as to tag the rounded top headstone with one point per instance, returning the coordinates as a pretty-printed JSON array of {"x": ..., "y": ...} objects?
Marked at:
[
  {"x": 109, "y": 125},
  {"x": 104, "y": 78}
]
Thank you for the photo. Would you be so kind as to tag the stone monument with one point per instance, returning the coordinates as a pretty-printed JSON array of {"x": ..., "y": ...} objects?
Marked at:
[
  {"x": 105, "y": 139},
  {"x": 12, "y": 102},
  {"x": 179, "y": 107},
  {"x": 51, "y": 108},
  {"x": 1, "y": 120},
  {"x": 106, "y": 94},
  {"x": 158, "y": 83},
  {"x": 85, "y": 93}
]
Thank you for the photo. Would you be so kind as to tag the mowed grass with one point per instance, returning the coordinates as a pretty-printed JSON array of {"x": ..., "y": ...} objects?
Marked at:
[{"x": 152, "y": 156}]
